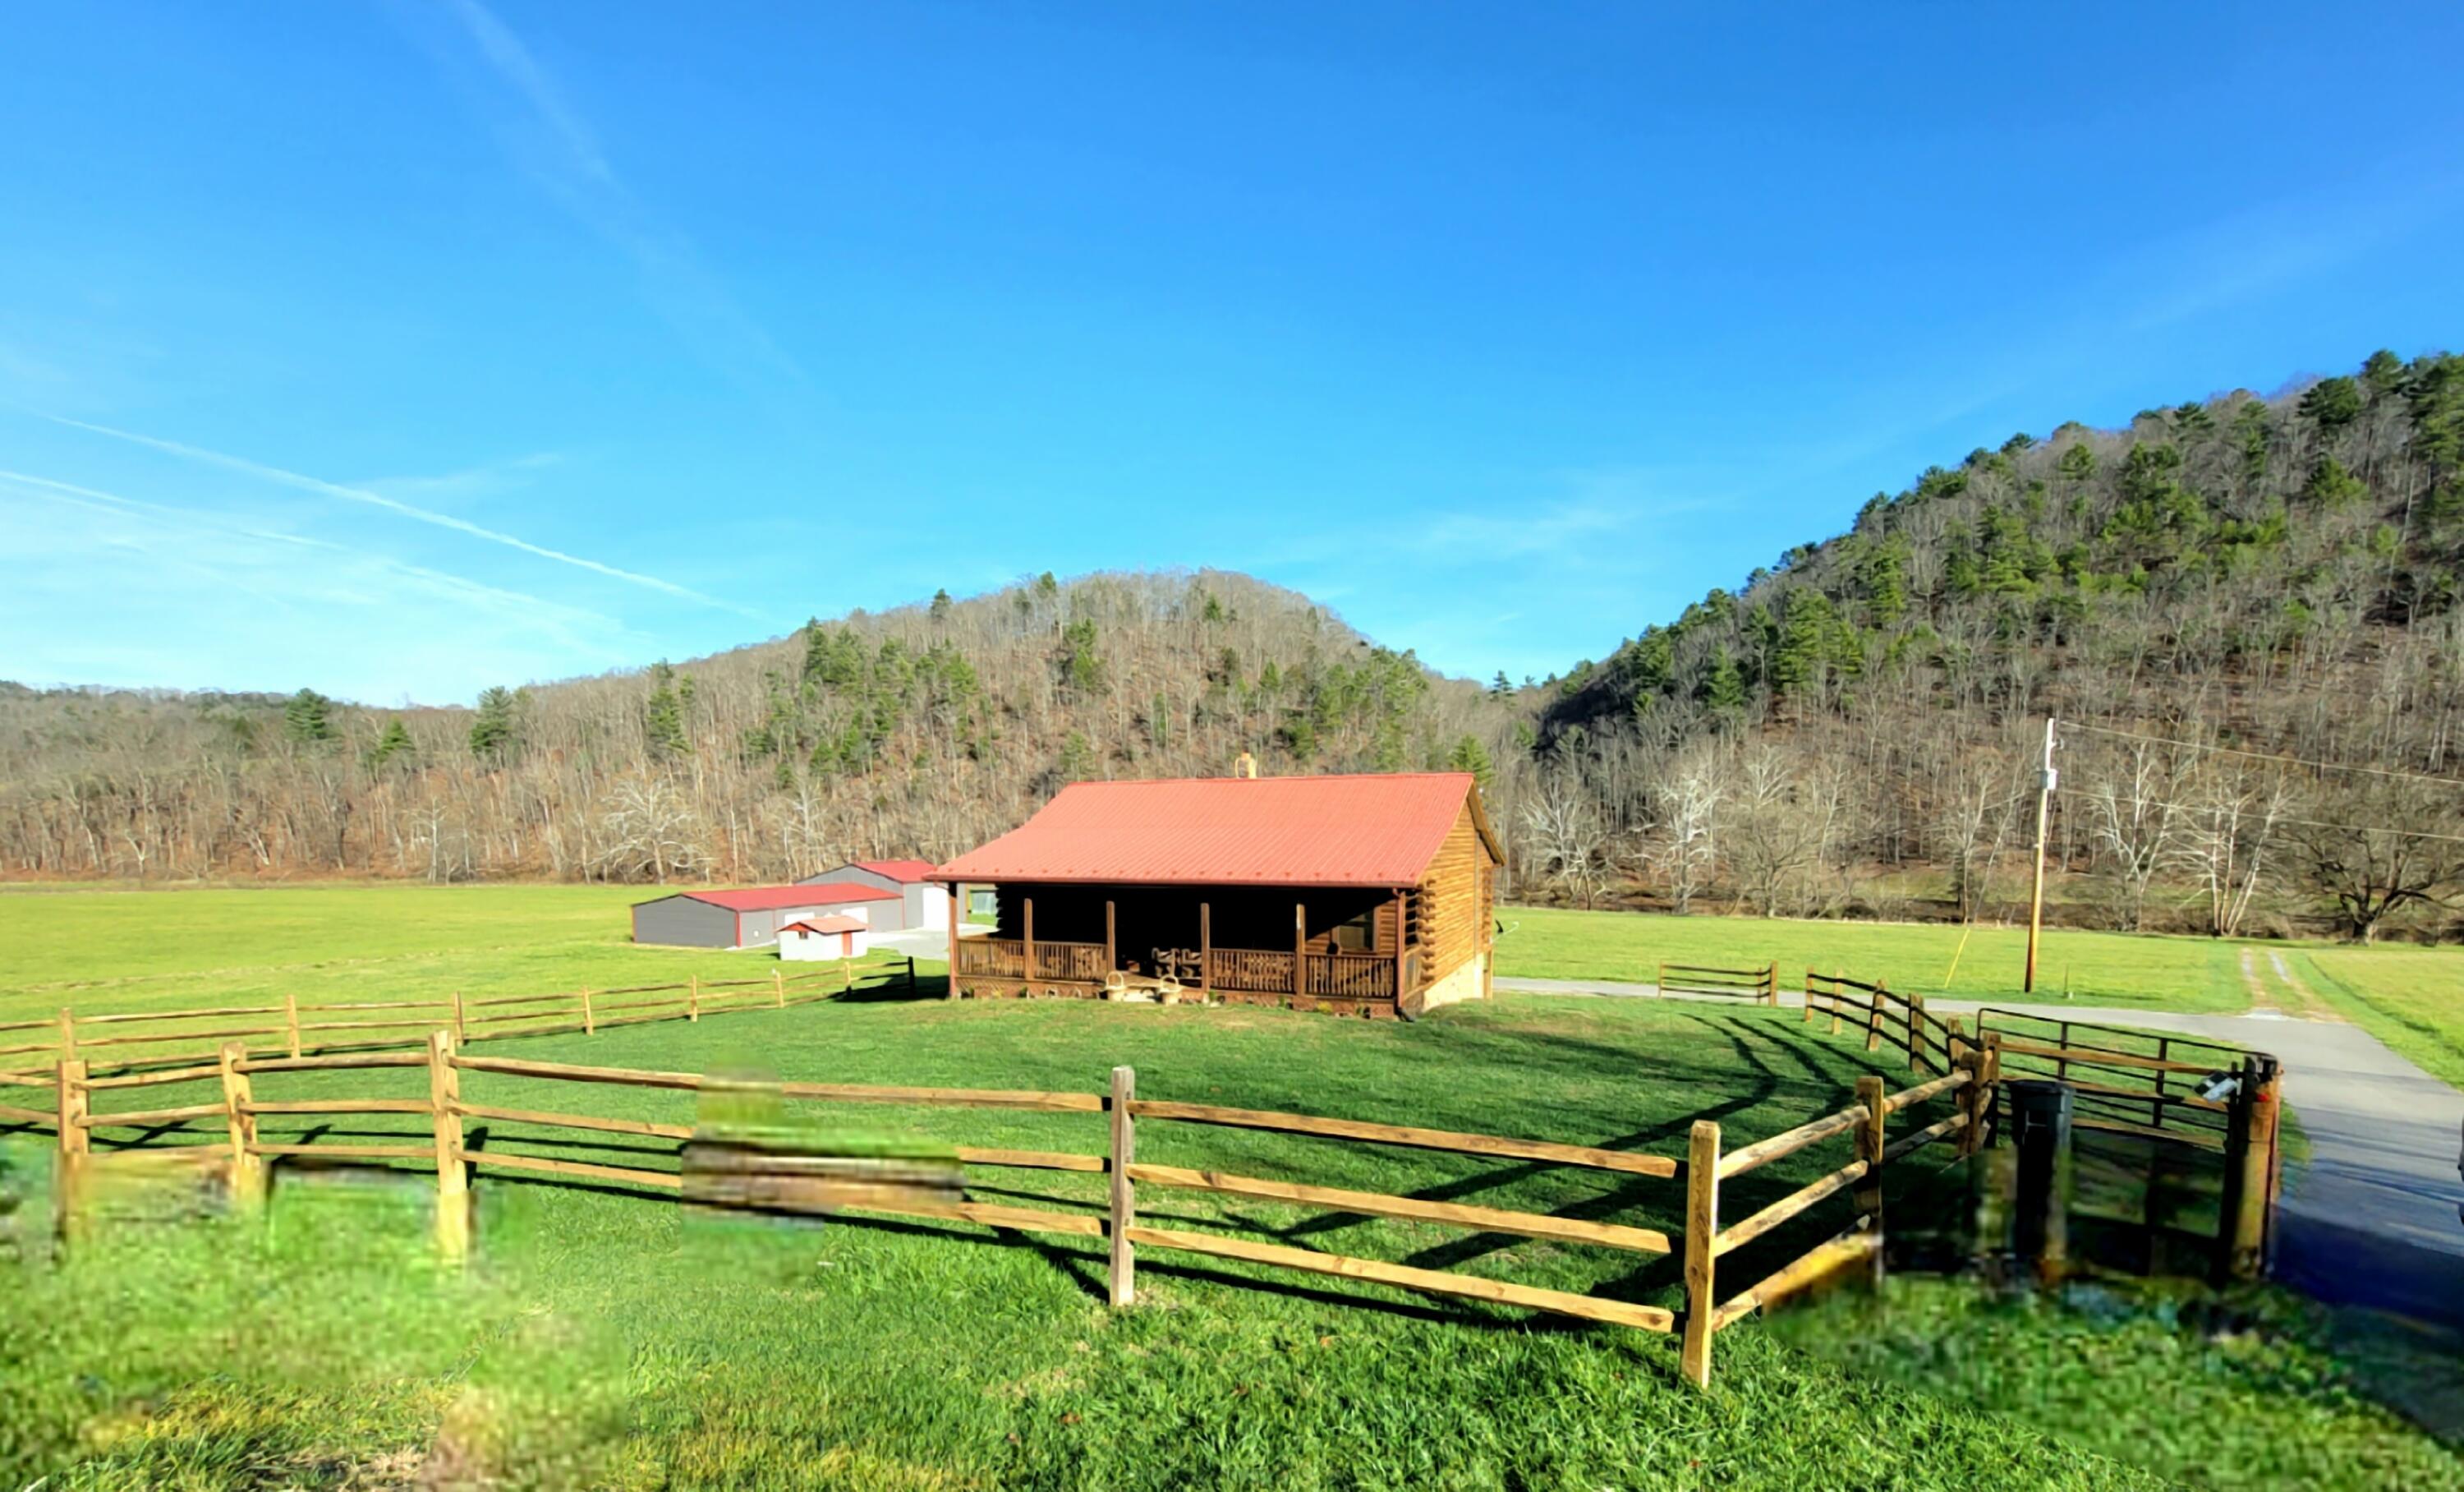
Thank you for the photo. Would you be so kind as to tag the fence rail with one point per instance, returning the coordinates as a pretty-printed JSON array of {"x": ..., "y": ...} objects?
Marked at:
[
  {"x": 1882, "y": 1129},
  {"x": 2152, "y": 1088},
  {"x": 448, "y": 1149},
  {"x": 1761, "y": 983},
  {"x": 487, "y": 1019}
]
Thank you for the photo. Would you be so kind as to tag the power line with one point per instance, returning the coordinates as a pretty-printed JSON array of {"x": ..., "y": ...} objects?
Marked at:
[
  {"x": 2257, "y": 756},
  {"x": 2306, "y": 823}
]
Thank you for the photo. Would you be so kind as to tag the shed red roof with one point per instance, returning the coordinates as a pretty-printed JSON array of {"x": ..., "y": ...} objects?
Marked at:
[
  {"x": 764, "y": 899},
  {"x": 897, "y": 870},
  {"x": 834, "y": 922},
  {"x": 1365, "y": 830}
]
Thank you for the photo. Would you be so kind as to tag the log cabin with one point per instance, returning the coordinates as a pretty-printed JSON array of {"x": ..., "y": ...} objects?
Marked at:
[{"x": 1361, "y": 895}]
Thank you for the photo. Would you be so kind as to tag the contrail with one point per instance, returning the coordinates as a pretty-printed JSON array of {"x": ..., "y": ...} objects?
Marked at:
[{"x": 408, "y": 510}]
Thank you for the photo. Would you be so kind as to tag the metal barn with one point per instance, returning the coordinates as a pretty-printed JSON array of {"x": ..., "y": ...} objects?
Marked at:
[{"x": 751, "y": 917}]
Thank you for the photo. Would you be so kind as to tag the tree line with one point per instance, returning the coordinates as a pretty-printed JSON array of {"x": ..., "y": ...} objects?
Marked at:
[{"x": 2220, "y": 589}]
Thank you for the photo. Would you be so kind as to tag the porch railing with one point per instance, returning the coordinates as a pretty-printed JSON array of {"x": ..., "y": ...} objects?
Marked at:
[
  {"x": 1077, "y": 963},
  {"x": 1006, "y": 958},
  {"x": 1254, "y": 969},
  {"x": 1341, "y": 976},
  {"x": 1352, "y": 976}
]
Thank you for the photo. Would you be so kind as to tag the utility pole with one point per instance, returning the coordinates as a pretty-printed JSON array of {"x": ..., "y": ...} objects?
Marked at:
[{"x": 2036, "y": 893}]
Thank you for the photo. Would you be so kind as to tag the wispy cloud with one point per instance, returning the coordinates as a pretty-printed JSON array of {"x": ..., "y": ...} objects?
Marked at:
[
  {"x": 554, "y": 145},
  {"x": 468, "y": 481},
  {"x": 177, "y": 570},
  {"x": 378, "y": 500}
]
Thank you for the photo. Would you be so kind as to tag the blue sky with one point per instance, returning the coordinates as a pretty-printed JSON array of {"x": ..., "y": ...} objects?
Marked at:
[{"x": 398, "y": 349}]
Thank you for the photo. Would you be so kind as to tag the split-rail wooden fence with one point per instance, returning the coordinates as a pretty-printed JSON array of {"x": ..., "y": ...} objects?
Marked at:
[
  {"x": 454, "y": 1098},
  {"x": 145, "y": 1040},
  {"x": 1759, "y": 984},
  {"x": 2205, "y": 1098}
]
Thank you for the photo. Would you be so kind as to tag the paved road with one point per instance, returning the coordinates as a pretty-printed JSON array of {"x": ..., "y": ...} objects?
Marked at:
[{"x": 2371, "y": 1219}]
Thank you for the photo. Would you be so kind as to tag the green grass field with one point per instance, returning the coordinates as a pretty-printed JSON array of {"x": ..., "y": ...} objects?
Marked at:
[
  {"x": 2412, "y": 999},
  {"x": 2198, "y": 975},
  {"x": 134, "y": 950},
  {"x": 604, "y": 1338}
]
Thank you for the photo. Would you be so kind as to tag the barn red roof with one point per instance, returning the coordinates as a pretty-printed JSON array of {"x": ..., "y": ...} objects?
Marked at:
[
  {"x": 897, "y": 870},
  {"x": 834, "y": 922},
  {"x": 764, "y": 899},
  {"x": 1365, "y": 830}
]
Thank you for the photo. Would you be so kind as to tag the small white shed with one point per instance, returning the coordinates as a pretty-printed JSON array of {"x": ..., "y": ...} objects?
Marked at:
[{"x": 835, "y": 935}]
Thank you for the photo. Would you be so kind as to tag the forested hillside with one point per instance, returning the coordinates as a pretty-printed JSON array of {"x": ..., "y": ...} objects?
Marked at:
[
  {"x": 2273, "y": 576},
  {"x": 1855, "y": 730},
  {"x": 919, "y": 731}
]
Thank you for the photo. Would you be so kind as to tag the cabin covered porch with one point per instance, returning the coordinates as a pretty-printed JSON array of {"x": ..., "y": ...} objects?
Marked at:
[{"x": 1350, "y": 950}]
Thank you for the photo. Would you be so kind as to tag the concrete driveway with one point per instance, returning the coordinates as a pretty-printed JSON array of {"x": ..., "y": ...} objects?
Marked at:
[{"x": 2370, "y": 1218}]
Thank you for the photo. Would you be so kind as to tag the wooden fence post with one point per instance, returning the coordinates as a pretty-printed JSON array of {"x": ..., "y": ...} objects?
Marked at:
[
  {"x": 1771, "y": 983},
  {"x": 1975, "y": 1098},
  {"x": 1836, "y": 975},
  {"x": 589, "y": 1019},
  {"x": 692, "y": 996},
  {"x": 68, "y": 1179},
  {"x": 1918, "y": 1046},
  {"x": 779, "y": 990},
  {"x": 1870, "y": 1141},
  {"x": 1702, "y": 1236},
  {"x": 2249, "y": 1151},
  {"x": 453, "y": 1172},
  {"x": 1125, "y": 1207},
  {"x": 1991, "y": 1041},
  {"x": 68, "y": 1035},
  {"x": 248, "y": 1168},
  {"x": 1807, "y": 1019},
  {"x": 1873, "y": 1016},
  {"x": 458, "y": 1034},
  {"x": 290, "y": 1022}
]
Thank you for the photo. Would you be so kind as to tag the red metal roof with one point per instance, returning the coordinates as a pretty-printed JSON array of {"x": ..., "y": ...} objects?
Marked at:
[
  {"x": 1364, "y": 830},
  {"x": 834, "y": 922},
  {"x": 897, "y": 870},
  {"x": 764, "y": 899}
]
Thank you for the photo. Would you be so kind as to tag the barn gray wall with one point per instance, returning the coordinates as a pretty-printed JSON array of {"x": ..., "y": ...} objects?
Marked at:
[
  {"x": 884, "y": 916},
  {"x": 681, "y": 922}
]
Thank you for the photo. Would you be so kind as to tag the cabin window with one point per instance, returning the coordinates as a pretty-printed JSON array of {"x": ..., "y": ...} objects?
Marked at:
[{"x": 1356, "y": 936}]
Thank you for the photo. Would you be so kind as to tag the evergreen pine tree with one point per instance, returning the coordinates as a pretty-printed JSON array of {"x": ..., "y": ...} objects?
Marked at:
[
  {"x": 1471, "y": 756},
  {"x": 663, "y": 721},
  {"x": 307, "y": 717},
  {"x": 493, "y": 731},
  {"x": 394, "y": 744},
  {"x": 1077, "y": 758}
]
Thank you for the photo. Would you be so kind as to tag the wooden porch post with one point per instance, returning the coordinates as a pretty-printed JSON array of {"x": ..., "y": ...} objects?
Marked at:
[
  {"x": 1205, "y": 948},
  {"x": 1112, "y": 959},
  {"x": 957, "y": 902},
  {"x": 1398, "y": 951},
  {"x": 1300, "y": 951},
  {"x": 1027, "y": 905}
]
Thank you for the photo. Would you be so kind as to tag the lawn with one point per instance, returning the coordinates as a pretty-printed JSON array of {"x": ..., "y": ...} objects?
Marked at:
[
  {"x": 611, "y": 1339},
  {"x": 2410, "y": 998},
  {"x": 2194, "y": 974},
  {"x": 605, "y": 1337},
  {"x": 101, "y": 950}
]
